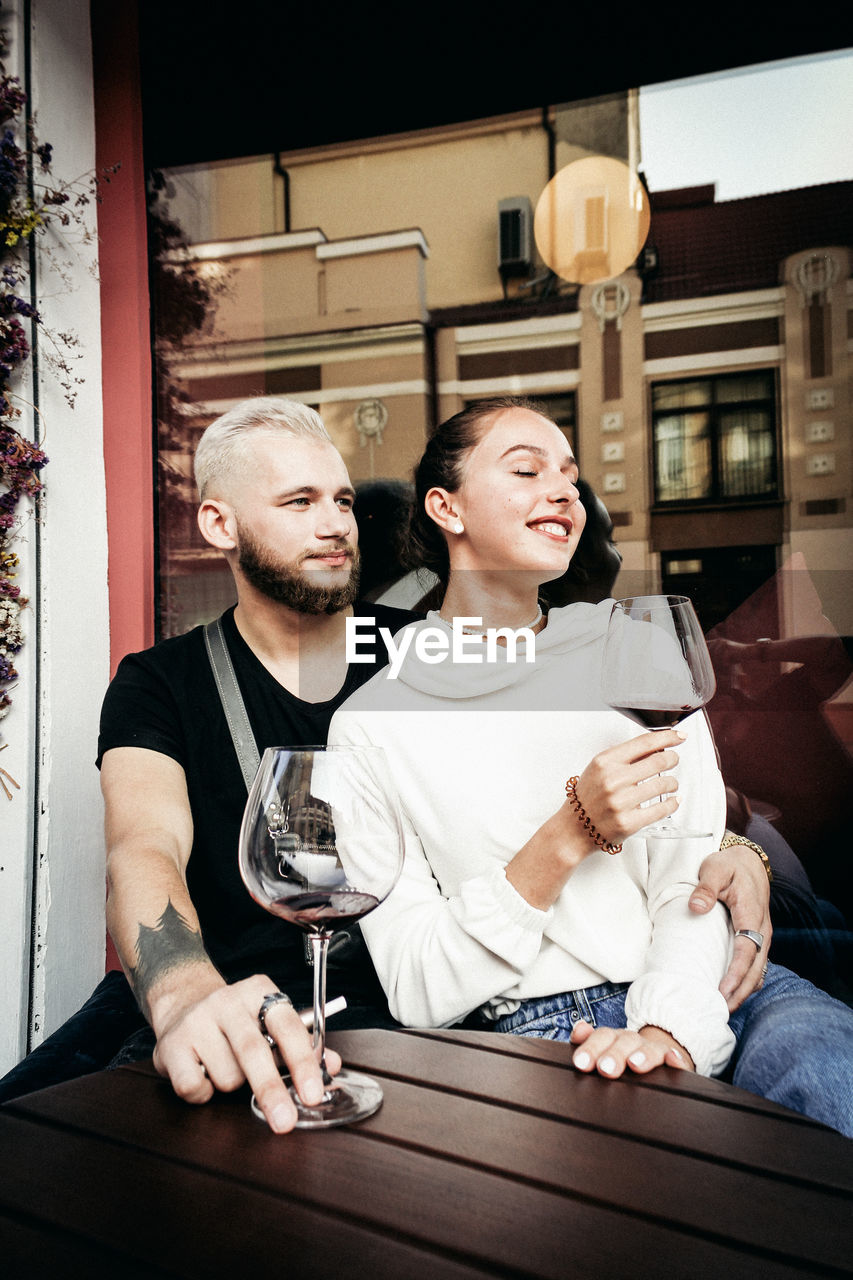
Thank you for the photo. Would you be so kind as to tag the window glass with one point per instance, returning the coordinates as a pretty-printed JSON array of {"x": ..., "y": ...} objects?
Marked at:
[
  {"x": 682, "y": 457},
  {"x": 681, "y": 395},
  {"x": 747, "y": 454},
  {"x": 725, "y": 450},
  {"x": 756, "y": 386},
  {"x": 563, "y": 411}
]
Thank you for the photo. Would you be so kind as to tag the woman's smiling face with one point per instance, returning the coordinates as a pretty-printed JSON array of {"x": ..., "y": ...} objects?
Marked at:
[{"x": 517, "y": 501}]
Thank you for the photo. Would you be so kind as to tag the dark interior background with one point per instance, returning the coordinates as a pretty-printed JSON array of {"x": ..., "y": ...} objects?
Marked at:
[{"x": 222, "y": 79}]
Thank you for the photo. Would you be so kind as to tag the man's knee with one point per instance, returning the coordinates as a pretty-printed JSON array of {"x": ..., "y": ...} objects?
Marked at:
[{"x": 795, "y": 1046}]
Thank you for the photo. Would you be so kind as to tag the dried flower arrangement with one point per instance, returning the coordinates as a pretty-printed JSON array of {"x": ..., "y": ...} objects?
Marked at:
[{"x": 30, "y": 202}]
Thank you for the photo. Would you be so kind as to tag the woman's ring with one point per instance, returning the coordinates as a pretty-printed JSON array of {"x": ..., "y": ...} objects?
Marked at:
[
  {"x": 752, "y": 934},
  {"x": 275, "y": 997}
]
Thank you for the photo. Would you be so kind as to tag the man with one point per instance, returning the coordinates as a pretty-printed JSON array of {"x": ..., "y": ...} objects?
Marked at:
[{"x": 276, "y": 500}]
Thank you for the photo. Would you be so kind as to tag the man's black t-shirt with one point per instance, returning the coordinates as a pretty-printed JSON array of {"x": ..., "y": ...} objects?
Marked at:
[{"x": 165, "y": 699}]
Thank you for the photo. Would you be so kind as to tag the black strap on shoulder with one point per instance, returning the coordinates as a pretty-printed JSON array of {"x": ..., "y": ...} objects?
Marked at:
[
  {"x": 232, "y": 701},
  {"x": 243, "y": 738},
  {"x": 238, "y": 723}
]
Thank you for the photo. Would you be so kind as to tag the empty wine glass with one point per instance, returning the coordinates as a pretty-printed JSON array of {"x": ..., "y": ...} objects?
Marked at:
[
  {"x": 657, "y": 669},
  {"x": 321, "y": 845}
]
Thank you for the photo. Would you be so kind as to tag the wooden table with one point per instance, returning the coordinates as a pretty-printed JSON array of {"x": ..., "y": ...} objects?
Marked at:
[{"x": 490, "y": 1156}]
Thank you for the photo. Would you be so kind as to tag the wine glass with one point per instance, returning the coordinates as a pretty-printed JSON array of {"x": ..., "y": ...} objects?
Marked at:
[
  {"x": 657, "y": 669},
  {"x": 321, "y": 845}
]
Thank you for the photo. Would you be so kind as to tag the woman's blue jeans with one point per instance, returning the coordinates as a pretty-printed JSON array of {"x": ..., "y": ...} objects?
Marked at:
[{"x": 794, "y": 1042}]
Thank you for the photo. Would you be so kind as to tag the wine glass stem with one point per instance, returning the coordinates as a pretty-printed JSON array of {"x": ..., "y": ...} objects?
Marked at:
[{"x": 320, "y": 948}]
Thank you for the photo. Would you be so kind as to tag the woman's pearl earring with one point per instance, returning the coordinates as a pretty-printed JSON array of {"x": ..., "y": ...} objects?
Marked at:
[{"x": 459, "y": 527}]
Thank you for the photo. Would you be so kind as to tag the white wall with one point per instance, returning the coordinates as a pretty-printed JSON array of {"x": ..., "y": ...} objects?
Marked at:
[{"x": 55, "y": 822}]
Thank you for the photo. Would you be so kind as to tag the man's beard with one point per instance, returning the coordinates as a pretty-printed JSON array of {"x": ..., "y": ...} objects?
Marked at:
[{"x": 297, "y": 586}]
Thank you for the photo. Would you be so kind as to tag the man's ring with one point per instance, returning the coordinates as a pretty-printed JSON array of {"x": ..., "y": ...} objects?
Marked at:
[
  {"x": 753, "y": 935},
  {"x": 275, "y": 997}
]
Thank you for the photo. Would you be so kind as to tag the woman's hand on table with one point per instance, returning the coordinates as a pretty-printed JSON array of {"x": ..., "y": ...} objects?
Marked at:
[
  {"x": 736, "y": 877},
  {"x": 215, "y": 1041},
  {"x": 610, "y": 1052}
]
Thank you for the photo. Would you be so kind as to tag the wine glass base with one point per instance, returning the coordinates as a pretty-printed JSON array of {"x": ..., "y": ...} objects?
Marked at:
[
  {"x": 660, "y": 831},
  {"x": 351, "y": 1096}
]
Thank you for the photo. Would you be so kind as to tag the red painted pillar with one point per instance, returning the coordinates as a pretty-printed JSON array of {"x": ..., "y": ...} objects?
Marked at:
[
  {"x": 125, "y": 334},
  {"x": 125, "y": 328}
]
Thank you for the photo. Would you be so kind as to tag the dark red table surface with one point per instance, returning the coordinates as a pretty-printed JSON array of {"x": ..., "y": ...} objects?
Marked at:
[{"x": 491, "y": 1156}]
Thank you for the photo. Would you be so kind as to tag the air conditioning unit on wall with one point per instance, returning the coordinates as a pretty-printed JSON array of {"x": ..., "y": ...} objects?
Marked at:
[{"x": 515, "y": 236}]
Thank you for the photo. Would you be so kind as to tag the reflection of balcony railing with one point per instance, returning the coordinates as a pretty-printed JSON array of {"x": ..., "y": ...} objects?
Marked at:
[{"x": 290, "y": 284}]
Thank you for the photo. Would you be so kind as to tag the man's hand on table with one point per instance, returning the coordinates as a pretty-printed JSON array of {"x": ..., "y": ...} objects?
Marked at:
[
  {"x": 736, "y": 877},
  {"x": 611, "y": 1051},
  {"x": 213, "y": 1040}
]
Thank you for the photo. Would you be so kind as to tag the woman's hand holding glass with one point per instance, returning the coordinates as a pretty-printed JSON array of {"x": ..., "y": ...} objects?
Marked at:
[
  {"x": 618, "y": 783},
  {"x": 656, "y": 669},
  {"x": 612, "y": 790}
]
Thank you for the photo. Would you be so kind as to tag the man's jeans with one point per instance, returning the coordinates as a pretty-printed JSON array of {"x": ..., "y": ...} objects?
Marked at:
[
  {"x": 794, "y": 1042},
  {"x": 86, "y": 1042}
]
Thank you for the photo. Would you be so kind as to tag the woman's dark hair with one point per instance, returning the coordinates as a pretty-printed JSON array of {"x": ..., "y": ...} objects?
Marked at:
[
  {"x": 596, "y": 562},
  {"x": 382, "y": 511},
  {"x": 442, "y": 466}
]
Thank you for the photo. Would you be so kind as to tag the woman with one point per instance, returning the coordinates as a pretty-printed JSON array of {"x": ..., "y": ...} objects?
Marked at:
[
  {"x": 808, "y": 934},
  {"x": 509, "y": 907}
]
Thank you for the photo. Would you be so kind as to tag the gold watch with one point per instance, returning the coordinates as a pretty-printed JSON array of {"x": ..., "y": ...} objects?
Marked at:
[{"x": 731, "y": 838}]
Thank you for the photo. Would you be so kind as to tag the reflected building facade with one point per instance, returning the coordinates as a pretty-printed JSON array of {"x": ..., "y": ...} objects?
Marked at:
[{"x": 706, "y": 388}]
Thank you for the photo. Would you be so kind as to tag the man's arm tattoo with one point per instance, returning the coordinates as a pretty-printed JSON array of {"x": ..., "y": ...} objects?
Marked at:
[{"x": 168, "y": 945}]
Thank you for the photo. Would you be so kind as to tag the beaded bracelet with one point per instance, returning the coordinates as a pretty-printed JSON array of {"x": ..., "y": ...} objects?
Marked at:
[{"x": 583, "y": 817}]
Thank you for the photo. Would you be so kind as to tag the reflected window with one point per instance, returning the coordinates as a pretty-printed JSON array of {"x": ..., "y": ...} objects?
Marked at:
[
  {"x": 715, "y": 438},
  {"x": 561, "y": 408}
]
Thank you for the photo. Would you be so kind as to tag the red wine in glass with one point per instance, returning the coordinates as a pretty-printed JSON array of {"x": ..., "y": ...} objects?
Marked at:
[
  {"x": 658, "y": 717},
  {"x": 657, "y": 670},
  {"x": 324, "y": 912}
]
